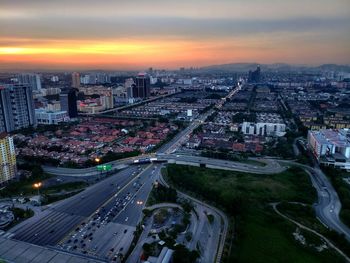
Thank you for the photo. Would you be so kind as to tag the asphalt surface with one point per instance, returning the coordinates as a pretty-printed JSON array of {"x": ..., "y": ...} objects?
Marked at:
[
  {"x": 209, "y": 237},
  {"x": 328, "y": 205},
  {"x": 59, "y": 220},
  {"x": 108, "y": 232},
  {"x": 272, "y": 166},
  {"x": 50, "y": 226}
]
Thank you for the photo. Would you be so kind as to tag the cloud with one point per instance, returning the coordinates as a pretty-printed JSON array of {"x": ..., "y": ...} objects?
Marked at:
[{"x": 164, "y": 27}]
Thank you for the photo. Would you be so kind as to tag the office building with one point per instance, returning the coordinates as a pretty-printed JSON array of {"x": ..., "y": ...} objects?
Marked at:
[
  {"x": 8, "y": 167},
  {"x": 143, "y": 86},
  {"x": 28, "y": 79},
  {"x": 95, "y": 78},
  {"x": 68, "y": 101},
  {"x": 47, "y": 117},
  {"x": 75, "y": 80},
  {"x": 254, "y": 76},
  {"x": 16, "y": 108},
  {"x": 331, "y": 147},
  {"x": 130, "y": 86}
]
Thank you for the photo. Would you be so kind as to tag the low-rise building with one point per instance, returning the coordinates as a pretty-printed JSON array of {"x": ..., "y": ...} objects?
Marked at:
[
  {"x": 50, "y": 117},
  {"x": 331, "y": 147}
]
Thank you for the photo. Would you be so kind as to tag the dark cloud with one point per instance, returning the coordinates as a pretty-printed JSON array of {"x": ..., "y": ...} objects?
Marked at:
[{"x": 164, "y": 27}]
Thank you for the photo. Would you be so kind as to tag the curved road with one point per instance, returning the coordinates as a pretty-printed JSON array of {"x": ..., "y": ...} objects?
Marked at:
[
  {"x": 328, "y": 206},
  {"x": 224, "y": 229}
]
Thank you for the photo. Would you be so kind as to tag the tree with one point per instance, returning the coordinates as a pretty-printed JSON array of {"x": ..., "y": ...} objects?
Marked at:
[{"x": 184, "y": 255}]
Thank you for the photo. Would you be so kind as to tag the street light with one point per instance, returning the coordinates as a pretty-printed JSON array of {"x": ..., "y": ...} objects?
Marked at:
[
  {"x": 98, "y": 160},
  {"x": 37, "y": 186}
]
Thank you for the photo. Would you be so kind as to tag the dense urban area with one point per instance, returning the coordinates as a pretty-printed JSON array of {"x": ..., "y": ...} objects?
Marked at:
[{"x": 231, "y": 163}]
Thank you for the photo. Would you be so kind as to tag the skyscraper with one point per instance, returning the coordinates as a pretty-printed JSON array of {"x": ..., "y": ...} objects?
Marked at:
[
  {"x": 28, "y": 79},
  {"x": 254, "y": 76},
  {"x": 75, "y": 80},
  {"x": 16, "y": 108},
  {"x": 143, "y": 86},
  {"x": 130, "y": 87},
  {"x": 68, "y": 101},
  {"x": 8, "y": 167}
]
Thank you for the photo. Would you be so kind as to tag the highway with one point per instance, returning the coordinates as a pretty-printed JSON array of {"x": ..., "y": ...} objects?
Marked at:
[
  {"x": 109, "y": 231},
  {"x": 50, "y": 226},
  {"x": 108, "y": 212},
  {"x": 271, "y": 166}
]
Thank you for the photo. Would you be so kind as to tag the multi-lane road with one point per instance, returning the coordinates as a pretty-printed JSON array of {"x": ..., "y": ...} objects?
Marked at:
[
  {"x": 50, "y": 226},
  {"x": 110, "y": 210},
  {"x": 327, "y": 207}
]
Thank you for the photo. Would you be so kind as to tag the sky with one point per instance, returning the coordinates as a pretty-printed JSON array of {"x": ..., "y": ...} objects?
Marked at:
[{"x": 137, "y": 34}]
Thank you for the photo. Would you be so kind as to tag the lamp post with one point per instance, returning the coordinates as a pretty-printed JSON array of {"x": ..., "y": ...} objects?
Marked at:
[
  {"x": 98, "y": 160},
  {"x": 37, "y": 186}
]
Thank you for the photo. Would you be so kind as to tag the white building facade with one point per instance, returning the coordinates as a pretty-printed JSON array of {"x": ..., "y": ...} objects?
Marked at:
[{"x": 50, "y": 117}]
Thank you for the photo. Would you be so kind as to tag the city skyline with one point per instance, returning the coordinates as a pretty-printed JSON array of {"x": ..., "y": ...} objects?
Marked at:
[{"x": 137, "y": 34}]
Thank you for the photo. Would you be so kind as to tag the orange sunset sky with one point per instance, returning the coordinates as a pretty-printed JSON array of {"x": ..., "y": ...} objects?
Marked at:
[{"x": 134, "y": 34}]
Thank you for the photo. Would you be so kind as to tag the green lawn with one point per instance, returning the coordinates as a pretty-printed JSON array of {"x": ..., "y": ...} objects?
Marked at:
[{"x": 260, "y": 234}]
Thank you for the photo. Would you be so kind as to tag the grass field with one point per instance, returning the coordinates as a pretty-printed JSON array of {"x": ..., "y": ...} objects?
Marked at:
[{"x": 260, "y": 234}]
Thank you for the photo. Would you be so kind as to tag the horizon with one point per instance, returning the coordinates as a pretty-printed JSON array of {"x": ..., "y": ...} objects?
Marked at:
[
  {"x": 94, "y": 69},
  {"x": 85, "y": 35}
]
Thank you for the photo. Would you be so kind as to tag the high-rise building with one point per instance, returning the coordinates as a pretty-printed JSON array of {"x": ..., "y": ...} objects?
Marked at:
[
  {"x": 143, "y": 86},
  {"x": 68, "y": 101},
  {"x": 16, "y": 108},
  {"x": 130, "y": 87},
  {"x": 28, "y": 79},
  {"x": 75, "y": 80},
  {"x": 254, "y": 76},
  {"x": 8, "y": 167}
]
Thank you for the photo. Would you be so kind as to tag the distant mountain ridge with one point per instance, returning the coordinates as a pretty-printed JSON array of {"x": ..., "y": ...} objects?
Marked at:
[{"x": 245, "y": 67}]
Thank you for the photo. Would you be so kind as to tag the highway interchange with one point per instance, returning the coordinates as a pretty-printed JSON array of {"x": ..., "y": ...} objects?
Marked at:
[
  {"x": 327, "y": 207},
  {"x": 99, "y": 221}
]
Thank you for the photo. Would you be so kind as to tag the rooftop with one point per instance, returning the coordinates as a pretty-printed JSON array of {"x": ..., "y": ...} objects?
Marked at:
[{"x": 336, "y": 137}]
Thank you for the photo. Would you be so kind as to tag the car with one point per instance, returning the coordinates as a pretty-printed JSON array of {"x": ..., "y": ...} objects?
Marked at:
[
  {"x": 125, "y": 231},
  {"x": 115, "y": 233}
]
